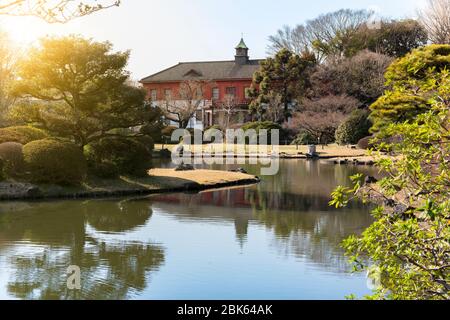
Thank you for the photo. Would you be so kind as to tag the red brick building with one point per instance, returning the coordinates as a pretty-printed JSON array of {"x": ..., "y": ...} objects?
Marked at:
[{"x": 224, "y": 79}]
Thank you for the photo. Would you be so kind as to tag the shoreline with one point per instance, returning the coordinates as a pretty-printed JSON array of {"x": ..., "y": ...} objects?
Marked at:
[
  {"x": 361, "y": 160},
  {"x": 332, "y": 153},
  {"x": 176, "y": 182}
]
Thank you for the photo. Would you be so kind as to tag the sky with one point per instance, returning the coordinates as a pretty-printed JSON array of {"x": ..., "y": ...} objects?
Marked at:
[{"x": 161, "y": 33}]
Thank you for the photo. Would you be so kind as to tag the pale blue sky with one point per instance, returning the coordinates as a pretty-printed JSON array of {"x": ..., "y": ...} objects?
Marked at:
[{"x": 161, "y": 33}]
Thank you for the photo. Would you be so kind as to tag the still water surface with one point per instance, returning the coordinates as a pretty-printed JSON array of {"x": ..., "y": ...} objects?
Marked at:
[{"x": 275, "y": 240}]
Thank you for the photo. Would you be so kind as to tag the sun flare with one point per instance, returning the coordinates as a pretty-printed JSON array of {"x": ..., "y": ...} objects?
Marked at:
[{"x": 25, "y": 30}]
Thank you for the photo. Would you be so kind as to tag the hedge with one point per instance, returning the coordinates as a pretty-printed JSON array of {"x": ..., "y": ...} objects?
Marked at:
[
  {"x": 263, "y": 125},
  {"x": 305, "y": 138},
  {"x": 120, "y": 155},
  {"x": 12, "y": 155},
  {"x": 21, "y": 134},
  {"x": 353, "y": 129},
  {"x": 54, "y": 161}
]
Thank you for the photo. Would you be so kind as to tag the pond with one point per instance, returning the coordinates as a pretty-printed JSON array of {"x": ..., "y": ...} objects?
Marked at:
[{"x": 275, "y": 240}]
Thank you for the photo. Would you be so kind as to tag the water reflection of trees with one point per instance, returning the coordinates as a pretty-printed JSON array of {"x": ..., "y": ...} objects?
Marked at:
[
  {"x": 303, "y": 226},
  {"x": 293, "y": 204},
  {"x": 54, "y": 237}
]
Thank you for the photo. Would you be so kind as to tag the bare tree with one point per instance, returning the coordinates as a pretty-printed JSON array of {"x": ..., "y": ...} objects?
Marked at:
[
  {"x": 54, "y": 11},
  {"x": 436, "y": 20},
  {"x": 361, "y": 76},
  {"x": 229, "y": 107},
  {"x": 321, "y": 117},
  {"x": 8, "y": 59},
  {"x": 180, "y": 107},
  {"x": 296, "y": 40},
  {"x": 324, "y": 35}
]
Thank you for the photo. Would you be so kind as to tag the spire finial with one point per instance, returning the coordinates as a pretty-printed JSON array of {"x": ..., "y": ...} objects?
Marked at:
[{"x": 242, "y": 45}]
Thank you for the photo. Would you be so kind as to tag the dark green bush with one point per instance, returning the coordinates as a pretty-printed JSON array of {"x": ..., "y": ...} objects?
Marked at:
[
  {"x": 105, "y": 169},
  {"x": 261, "y": 125},
  {"x": 127, "y": 155},
  {"x": 12, "y": 155},
  {"x": 305, "y": 138},
  {"x": 54, "y": 161},
  {"x": 2, "y": 165},
  {"x": 147, "y": 142},
  {"x": 353, "y": 129},
  {"x": 21, "y": 134}
]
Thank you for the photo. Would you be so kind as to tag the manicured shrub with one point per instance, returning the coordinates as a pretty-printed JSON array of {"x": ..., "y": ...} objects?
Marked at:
[
  {"x": 365, "y": 143},
  {"x": 54, "y": 161},
  {"x": 353, "y": 129},
  {"x": 128, "y": 155},
  {"x": 105, "y": 169},
  {"x": 2, "y": 165},
  {"x": 12, "y": 155},
  {"x": 412, "y": 81},
  {"x": 21, "y": 134},
  {"x": 259, "y": 125},
  {"x": 304, "y": 138},
  {"x": 147, "y": 142},
  {"x": 263, "y": 125}
]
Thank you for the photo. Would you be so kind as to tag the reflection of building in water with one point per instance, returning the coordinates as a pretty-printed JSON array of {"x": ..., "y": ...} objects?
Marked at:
[{"x": 303, "y": 225}]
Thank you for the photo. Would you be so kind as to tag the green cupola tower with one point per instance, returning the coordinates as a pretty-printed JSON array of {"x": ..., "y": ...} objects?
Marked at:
[{"x": 241, "y": 56}]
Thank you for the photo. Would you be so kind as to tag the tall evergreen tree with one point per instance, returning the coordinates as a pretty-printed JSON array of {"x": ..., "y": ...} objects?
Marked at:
[
  {"x": 80, "y": 90},
  {"x": 284, "y": 75}
]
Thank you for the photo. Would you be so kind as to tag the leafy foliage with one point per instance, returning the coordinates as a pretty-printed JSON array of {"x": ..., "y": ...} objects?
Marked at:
[
  {"x": 21, "y": 134},
  {"x": 12, "y": 155},
  {"x": 54, "y": 161},
  {"x": 263, "y": 125},
  {"x": 412, "y": 81},
  {"x": 80, "y": 90},
  {"x": 409, "y": 242},
  {"x": 304, "y": 137},
  {"x": 118, "y": 155},
  {"x": 8, "y": 61},
  {"x": 354, "y": 128},
  {"x": 393, "y": 38},
  {"x": 283, "y": 76}
]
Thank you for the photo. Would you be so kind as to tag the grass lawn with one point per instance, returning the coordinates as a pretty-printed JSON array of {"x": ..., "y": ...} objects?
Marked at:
[
  {"x": 158, "y": 180},
  {"x": 332, "y": 150}
]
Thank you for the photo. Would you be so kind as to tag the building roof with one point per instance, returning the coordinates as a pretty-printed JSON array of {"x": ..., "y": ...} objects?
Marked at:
[
  {"x": 242, "y": 45},
  {"x": 213, "y": 70}
]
